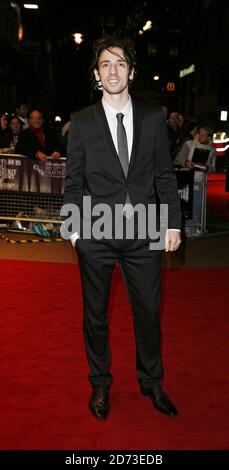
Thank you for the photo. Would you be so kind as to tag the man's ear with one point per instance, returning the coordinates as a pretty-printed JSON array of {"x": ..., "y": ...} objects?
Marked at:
[
  {"x": 98, "y": 83},
  {"x": 131, "y": 76},
  {"x": 96, "y": 74}
]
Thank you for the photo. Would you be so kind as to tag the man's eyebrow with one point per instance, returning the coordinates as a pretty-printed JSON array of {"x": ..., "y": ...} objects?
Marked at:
[{"x": 108, "y": 60}]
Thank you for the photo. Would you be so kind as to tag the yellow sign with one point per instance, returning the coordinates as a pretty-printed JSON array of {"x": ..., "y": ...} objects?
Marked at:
[{"x": 170, "y": 86}]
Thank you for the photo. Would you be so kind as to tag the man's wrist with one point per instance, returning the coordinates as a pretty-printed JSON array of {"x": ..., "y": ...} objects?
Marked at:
[{"x": 74, "y": 237}]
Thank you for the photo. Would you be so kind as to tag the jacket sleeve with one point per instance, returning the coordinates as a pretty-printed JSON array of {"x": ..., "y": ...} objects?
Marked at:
[{"x": 75, "y": 166}]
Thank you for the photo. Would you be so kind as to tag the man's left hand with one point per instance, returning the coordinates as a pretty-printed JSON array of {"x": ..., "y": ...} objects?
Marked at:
[
  {"x": 56, "y": 154},
  {"x": 172, "y": 240}
]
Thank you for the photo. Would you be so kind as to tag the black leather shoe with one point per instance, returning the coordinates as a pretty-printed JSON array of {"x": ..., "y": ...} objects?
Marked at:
[
  {"x": 99, "y": 402},
  {"x": 160, "y": 400}
]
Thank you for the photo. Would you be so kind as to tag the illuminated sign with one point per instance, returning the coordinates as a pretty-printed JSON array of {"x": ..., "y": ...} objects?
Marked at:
[
  {"x": 223, "y": 115},
  {"x": 170, "y": 86},
  {"x": 187, "y": 71}
]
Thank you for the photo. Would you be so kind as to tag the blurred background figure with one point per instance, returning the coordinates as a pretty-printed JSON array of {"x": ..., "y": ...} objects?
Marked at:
[
  {"x": 188, "y": 131},
  {"x": 3, "y": 122},
  {"x": 38, "y": 140},
  {"x": 11, "y": 134},
  {"x": 3, "y": 129},
  {"x": 22, "y": 112},
  {"x": 173, "y": 132},
  {"x": 202, "y": 142}
]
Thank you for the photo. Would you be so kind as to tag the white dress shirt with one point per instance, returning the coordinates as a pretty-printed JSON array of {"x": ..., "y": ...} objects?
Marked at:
[{"x": 127, "y": 122}]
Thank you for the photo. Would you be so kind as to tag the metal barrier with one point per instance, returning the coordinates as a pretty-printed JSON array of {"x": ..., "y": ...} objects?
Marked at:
[
  {"x": 185, "y": 181},
  {"x": 196, "y": 225},
  {"x": 31, "y": 190},
  {"x": 193, "y": 194}
]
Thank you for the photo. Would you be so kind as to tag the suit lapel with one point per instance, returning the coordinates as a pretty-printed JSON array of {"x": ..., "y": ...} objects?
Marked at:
[
  {"x": 137, "y": 129},
  {"x": 104, "y": 130}
]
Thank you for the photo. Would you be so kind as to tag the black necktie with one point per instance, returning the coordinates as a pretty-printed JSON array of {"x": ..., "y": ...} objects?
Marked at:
[
  {"x": 123, "y": 151},
  {"x": 122, "y": 144}
]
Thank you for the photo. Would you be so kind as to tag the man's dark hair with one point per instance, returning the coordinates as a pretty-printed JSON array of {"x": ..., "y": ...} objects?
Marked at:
[
  {"x": 19, "y": 104},
  {"x": 37, "y": 110},
  {"x": 109, "y": 42}
]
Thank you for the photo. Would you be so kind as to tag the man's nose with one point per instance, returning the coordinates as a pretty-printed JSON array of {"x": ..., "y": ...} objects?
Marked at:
[{"x": 113, "y": 68}]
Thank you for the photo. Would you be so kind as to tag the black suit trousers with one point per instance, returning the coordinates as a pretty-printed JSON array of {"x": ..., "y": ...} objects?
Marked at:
[{"x": 141, "y": 269}]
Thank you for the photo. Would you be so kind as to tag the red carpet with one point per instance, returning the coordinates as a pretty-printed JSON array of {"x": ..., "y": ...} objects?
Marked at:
[
  {"x": 44, "y": 388},
  {"x": 218, "y": 198}
]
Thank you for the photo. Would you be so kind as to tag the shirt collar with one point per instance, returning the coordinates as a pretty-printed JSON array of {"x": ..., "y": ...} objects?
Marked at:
[{"x": 113, "y": 112}]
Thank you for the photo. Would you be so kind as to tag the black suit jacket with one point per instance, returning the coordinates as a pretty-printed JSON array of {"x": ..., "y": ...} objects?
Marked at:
[{"x": 93, "y": 166}]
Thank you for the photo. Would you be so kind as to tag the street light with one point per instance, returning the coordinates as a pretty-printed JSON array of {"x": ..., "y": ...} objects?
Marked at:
[
  {"x": 147, "y": 26},
  {"x": 78, "y": 38},
  {"x": 31, "y": 6}
]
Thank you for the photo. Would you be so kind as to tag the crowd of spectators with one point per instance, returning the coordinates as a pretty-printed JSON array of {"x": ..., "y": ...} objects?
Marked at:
[
  {"x": 28, "y": 133},
  {"x": 192, "y": 149}
]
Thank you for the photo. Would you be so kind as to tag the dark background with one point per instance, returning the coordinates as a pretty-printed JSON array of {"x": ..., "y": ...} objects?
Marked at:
[{"x": 47, "y": 69}]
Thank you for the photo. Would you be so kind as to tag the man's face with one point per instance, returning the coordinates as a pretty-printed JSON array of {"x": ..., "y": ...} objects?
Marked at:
[
  {"x": 15, "y": 125},
  {"x": 23, "y": 110},
  {"x": 174, "y": 120},
  {"x": 113, "y": 71},
  {"x": 203, "y": 137},
  {"x": 35, "y": 119},
  {"x": 4, "y": 123}
]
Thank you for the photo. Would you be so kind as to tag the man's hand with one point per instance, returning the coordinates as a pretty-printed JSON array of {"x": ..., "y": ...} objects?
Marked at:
[
  {"x": 56, "y": 154},
  {"x": 41, "y": 156},
  {"x": 189, "y": 164},
  {"x": 172, "y": 240}
]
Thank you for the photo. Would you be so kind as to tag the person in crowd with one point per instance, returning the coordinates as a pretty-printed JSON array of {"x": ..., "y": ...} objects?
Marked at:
[
  {"x": 3, "y": 122},
  {"x": 39, "y": 141},
  {"x": 173, "y": 131},
  {"x": 3, "y": 130},
  {"x": 22, "y": 112},
  {"x": 10, "y": 135},
  {"x": 202, "y": 142},
  {"x": 188, "y": 131},
  {"x": 118, "y": 153}
]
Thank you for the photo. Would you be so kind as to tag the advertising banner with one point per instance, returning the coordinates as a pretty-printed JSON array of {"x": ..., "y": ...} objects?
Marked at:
[{"x": 19, "y": 173}]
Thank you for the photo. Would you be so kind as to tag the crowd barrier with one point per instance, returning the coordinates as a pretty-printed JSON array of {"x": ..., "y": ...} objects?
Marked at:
[
  {"x": 185, "y": 181},
  {"x": 31, "y": 190},
  {"x": 193, "y": 195}
]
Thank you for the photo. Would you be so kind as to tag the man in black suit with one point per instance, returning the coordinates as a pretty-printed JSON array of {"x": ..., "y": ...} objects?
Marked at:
[{"x": 118, "y": 154}]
